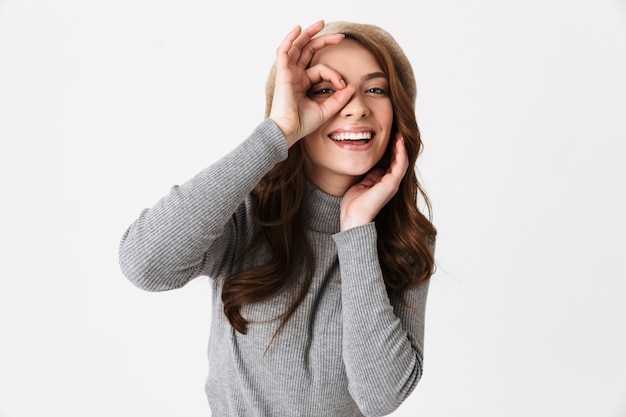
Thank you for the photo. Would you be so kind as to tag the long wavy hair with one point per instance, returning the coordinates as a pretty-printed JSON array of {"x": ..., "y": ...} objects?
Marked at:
[{"x": 405, "y": 234}]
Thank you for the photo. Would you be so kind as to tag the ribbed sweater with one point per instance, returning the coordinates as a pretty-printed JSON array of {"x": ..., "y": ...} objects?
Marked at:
[{"x": 348, "y": 350}]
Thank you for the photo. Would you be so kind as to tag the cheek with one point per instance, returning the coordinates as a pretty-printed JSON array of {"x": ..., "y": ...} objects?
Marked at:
[
  {"x": 384, "y": 154},
  {"x": 314, "y": 138},
  {"x": 312, "y": 147}
]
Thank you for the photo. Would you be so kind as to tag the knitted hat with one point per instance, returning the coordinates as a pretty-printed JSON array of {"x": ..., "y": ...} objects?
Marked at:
[{"x": 371, "y": 34}]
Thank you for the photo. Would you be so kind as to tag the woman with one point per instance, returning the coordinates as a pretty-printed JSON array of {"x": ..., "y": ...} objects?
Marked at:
[{"x": 310, "y": 232}]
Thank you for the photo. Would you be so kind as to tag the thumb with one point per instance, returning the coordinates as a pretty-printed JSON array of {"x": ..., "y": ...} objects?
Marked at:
[{"x": 333, "y": 104}]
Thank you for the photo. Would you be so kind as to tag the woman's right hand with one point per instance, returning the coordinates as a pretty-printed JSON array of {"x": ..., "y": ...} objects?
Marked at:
[{"x": 295, "y": 114}]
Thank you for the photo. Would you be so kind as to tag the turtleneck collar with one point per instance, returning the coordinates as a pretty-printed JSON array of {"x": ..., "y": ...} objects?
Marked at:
[{"x": 321, "y": 210}]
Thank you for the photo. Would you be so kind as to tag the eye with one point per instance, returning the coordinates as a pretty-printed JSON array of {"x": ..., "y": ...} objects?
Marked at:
[
  {"x": 376, "y": 90},
  {"x": 321, "y": 91}
]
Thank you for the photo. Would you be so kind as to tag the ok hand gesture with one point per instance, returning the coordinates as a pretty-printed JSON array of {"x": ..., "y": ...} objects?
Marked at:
[{"x": 293, "y": 111}]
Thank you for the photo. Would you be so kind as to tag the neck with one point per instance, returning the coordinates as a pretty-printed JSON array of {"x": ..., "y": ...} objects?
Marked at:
[
  {"x": 331, "y": 183},
  {"x": 321, "y": 210}
]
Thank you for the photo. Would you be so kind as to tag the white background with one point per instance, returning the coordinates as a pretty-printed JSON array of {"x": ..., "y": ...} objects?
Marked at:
[{"x": 522, "y": 105}]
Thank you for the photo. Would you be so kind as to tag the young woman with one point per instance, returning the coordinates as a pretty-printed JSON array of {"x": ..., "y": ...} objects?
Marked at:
[{"x": 310, "y": 232}]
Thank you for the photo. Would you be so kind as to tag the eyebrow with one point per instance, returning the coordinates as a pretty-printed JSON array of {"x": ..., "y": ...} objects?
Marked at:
[{"x": 373, "y": 75}]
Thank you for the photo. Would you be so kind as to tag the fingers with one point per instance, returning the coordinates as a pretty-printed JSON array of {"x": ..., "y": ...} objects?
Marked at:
[
  {"x": 314, "y": 45},
  {"x": 400, "y": 161},
  {"x": 372, "y": 177},
  {"x": 299, "y": 45},
  {"x": 394, "y": 174},
  {"x": 315, "y": 28},
  {"x": 397, "y": 169},
  {"x": 320, "y": 72},
  {"x": 282, "y": 52},
  {"x": 333, "y": 104}
]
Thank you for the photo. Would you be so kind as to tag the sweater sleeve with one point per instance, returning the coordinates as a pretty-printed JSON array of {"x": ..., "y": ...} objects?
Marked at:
[
  {"x": 382, "y": 339},
  {"x": 187, "y": 231}
]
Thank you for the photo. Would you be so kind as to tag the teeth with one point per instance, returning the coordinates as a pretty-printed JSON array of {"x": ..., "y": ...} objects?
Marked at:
[{"x": 351, "y": 136}]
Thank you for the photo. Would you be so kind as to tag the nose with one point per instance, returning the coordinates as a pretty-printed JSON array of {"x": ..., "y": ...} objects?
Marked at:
[{"x": 356, "y": 108}]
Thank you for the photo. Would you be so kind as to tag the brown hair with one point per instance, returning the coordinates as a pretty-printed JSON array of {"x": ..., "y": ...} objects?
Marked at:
[{"x": 405, "y": 235}]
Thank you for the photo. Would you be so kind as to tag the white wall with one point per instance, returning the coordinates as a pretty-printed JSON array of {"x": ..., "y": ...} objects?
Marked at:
[{"x": 522, "y": 105}]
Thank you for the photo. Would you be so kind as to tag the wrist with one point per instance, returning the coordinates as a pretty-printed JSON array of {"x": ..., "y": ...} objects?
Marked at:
[
  {"x": 288, "y": 134},
  {"x": 351, "y": 223}
]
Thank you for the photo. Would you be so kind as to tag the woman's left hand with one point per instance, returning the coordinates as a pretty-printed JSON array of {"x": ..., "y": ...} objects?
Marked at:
[{"x": 364, "y": 200}]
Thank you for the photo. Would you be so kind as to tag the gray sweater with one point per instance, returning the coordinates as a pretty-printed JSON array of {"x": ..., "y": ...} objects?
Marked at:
[{"x": 349, "y": 350}]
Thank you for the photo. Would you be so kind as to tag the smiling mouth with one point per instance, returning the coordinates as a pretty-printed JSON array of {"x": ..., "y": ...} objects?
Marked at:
[{"x": 352, "y": 137}]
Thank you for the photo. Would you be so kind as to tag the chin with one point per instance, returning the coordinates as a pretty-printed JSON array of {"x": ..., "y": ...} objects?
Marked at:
[{"x": 358, "y": 171}]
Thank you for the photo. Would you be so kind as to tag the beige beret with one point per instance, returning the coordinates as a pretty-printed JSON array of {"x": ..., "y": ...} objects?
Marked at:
[{"x": 373, "y": 34}]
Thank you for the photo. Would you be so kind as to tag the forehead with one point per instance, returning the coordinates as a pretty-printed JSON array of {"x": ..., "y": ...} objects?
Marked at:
[{"x": 347, "y": 56}]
